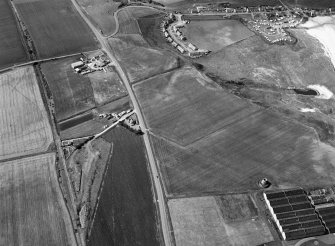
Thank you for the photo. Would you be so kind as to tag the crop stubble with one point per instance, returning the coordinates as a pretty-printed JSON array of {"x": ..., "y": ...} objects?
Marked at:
[
  {"x": 33, "y": 211},
  {"x": 24, "y": 123}
]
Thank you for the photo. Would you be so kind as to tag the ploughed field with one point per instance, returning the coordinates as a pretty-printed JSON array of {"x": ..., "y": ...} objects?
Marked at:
[
  {"x": 214, "y": 35},
  {"x": 126, "y": 212},
  {"x": 207, "y": 140},
  {"x": 11, "y": 48},
  {"x": 221, "y": 220},
  {"x": 75, "y": 93},
  {"x": 138, "y": 59},
  {"x": 33, "y": 211},
  {"x": 55, "y": 27},
  {"x": 24, "y": 124}
]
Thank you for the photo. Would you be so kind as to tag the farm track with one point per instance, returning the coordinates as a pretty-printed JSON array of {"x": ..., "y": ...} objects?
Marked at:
[
  {"x": 37, "y": 61},
  {"x": 162, "y": 206}
]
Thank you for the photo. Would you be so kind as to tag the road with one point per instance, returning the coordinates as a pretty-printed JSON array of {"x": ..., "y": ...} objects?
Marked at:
[
  {"x": 37, "y": 61},
  {"x": 163, "y": 211}
]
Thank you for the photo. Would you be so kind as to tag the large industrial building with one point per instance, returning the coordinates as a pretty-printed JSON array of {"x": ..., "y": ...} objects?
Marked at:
[{"x": 296, "y": 215}]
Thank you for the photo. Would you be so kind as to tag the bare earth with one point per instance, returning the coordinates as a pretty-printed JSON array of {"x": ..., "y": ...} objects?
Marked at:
[{"x": 24, "y": 125}]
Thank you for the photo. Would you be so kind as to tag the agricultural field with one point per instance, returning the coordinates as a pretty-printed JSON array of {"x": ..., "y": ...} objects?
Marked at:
[
  {"x": 87, "y": 124},
  {"x": 127, "y": 23},
  {"x": 56, "y": 27},
  {"x": 184, "y": 106},
  {"x": 33, "y": 211},
  {"x": 128, "y": 19},
  {"x": 214, "y": 35},
  {"x": 226, "y": 220},
  {"x": 126, "y": 213},
  {"x": 139, "y": 60},
  {"x": 101, "y": 13},
  {"x": 74, "y": 93},
  {"x": 235, "y": 158},
  {"x": 11, "y": 47},
  {"x": 254, "y": 60},
  {"x": 24, "y": 123}
]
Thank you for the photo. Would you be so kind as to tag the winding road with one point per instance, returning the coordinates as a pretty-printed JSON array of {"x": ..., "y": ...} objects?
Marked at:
[{"x": 161, "y": 204}]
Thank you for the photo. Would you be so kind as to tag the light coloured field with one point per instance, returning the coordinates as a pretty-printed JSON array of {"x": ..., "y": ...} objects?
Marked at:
[
  {"x": 185, "y": 107},
  {"x": 138, "y": 59},
  {"x": 214, "y": 35},
  {"x": 102, "y": 13},
  {"x": 24, "y": 124},
  {"x": 32, "y": 207},
  {"x": 199, "y": 221}
]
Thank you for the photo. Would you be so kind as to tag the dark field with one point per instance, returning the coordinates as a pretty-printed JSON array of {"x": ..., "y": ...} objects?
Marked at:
[
  {"x": 74, "y": 128},
  {"x": 184, "y": 107},
  {"x": 138, "y": 59},
  {"x": 254, "y": 60},
  {"x": 126, "y": 213},
  {"x": 75, "y": 121},
  {"x": 74, "y": 93},
  {"x": 237, "y": 157},
  {"x": 56, "y": 27},
  {"x": 128, "y": 19},
  {"x": 11, "y": 48}
]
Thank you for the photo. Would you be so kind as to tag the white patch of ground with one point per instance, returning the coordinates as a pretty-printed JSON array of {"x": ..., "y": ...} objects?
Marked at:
[
  {"x": 307, "y": 110},
  {"x": 323, "y": 91},
  {"x": 323, "y": 29}
]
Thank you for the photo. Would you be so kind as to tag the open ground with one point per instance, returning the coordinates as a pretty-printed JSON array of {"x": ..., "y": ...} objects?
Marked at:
[
  {"x": 24, "y": 124},
  {"x": 237, "y": 157},
  {"x": 226, "y": 220},
  {"x": 297, "y": 65},
  {"x": 55, "y": 27},
  {"x": 184, "y": 107},
  {"x": 139, "y": 60},
  {"x": 11, "y": 48},
  {"x": 126, "y": 210},
  {"x": 33, "y": 211},
  {"x": 101, "y": 13},
  {"x": 228, "y": 140},
  {"x": 74, "y": 93},
  {"x": 215, "y": 35}
]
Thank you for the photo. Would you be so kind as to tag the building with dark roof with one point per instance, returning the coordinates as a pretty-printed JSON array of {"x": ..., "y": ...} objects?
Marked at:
[{"x": 294, "y": 214}]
